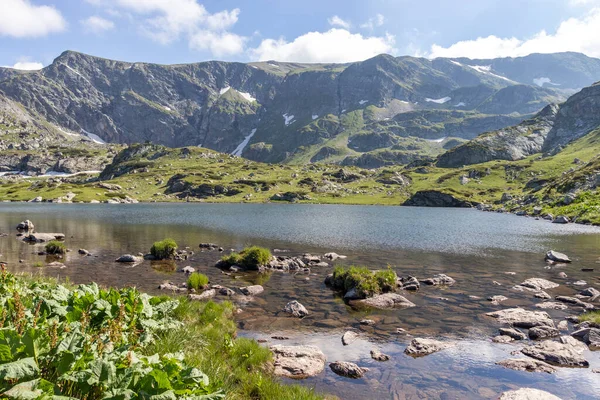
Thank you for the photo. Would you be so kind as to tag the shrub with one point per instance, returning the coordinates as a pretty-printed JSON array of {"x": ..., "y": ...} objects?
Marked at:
[
  {"x": 197, "y": 281},
  {"x": 249, "y": 258},
  {"x": 56, "y": 247},
  {"x": 365, "y": 282},
  {"x": 163, "y": 250}
]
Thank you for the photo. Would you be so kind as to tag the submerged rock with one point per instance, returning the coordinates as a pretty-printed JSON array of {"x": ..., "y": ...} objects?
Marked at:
[
  {"x": 129, "y": 258},
  {"x": 385, "y": 301},
  {"x": 589, "y": 336},
  {"x": 298, "y": 362},
  {"x": 439, "y": 279},
  {"x": 527, "y": 364},
  {"x": 552, "y": 305},
  {"x": 409, "y": 283},
  {"x": 420, "y": 347},
  {"x": 574, "y": 301},
  {"x": 556, "y": 353},
  {"x": 528, "y": 394},
  {"x": 522, "y": 318},
  {"x": 513, "y": 333},
  {"x": 348, "y": 369},
  {"x": 497, "y": 299},
  {"x": 296, "y": 309},
  {"x": 539, "y": 284},
  {"x": 557, "y": 257},
  {"x": 252, "y": 290},
  {"x": 43, "y": 237},
  {"x": 379, "y": 356}
]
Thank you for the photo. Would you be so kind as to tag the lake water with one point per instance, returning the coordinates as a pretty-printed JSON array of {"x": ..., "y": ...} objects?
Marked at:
[{"x": 475, "y": 248}]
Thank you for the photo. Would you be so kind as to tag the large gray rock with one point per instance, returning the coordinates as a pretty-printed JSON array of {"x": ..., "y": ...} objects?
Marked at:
[
  {"x": 589, "y": 336},
  {"x": 527, "y": 364},
  {"x": 379, "y": 356},
  {"x": 348, "y": 369},
  {"x": 513, "y": 333},
  {"x": 44, "y": 237},
  {"x": 539, "y": 284},
  {"x": 26, "y": 225},
  {"x": 561, "y": 219},
  {"x": 439, "y": 279},
  {"x": 542, "y": 332},
  {"x": 557, "y": 257},
  {"x": 561, "y": 354},
  {"x": 252, "y": 290},
  {"x": 420, "y": 347},
  {"x": 522, "y": 318},
  {"x": 385, "y": 301},
  {"x": 527, "y": 394},
  {"x": 296, "y": 309},
  {"x": 590, "y": 292},
  {"x": 574, "y": 301},
  {"x": 129, "y": 258},
  {"x": 298, "y": 362},
  {"x": 551, "y": 305}
]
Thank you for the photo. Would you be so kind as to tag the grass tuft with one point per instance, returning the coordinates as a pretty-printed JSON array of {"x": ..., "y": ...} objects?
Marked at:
[
  {"x": 164, "y": 249},
  {"x": 197, "y": 281},
  {"x": 56, "y": 247}
]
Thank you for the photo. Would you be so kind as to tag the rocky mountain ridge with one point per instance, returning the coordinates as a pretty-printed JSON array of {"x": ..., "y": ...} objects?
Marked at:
[{"x": 287, "y": 112}]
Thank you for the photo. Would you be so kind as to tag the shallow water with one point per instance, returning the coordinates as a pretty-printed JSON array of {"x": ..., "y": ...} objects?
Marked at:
[{"x": 473, "y": 247}]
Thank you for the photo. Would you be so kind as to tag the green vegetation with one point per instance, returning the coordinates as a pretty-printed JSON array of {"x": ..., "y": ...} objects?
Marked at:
[
  {"x": 591, "y": 316},
  {"x": 38, "y": 264},
  {"x": 164, "y": 249},
  {"x": 94, "y": 343},
  {"x": 249, "y": 258},
  {"x": 365, "y": 282},
  {"x": 197, "y": 281},
  {"x": 56, "y": 247}
]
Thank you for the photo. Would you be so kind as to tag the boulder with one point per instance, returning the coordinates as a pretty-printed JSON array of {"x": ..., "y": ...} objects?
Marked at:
[
  {"x": 557, "y": 257},
  {"x": 561, "y": 219},
  {"x": 420, "y": 347},
  {"x": 297, "y": 362},
  {"x": 590, "y": 292},
  {"x": 527, "y": 364},
  {"x": 552, "y": 305},
  {"x": 348, "y": 369},
  {"x": 522, "y": 318},
  {"x": 44, "y": 237},
  {"x": 574, "y": 301},
  {"x": 379, "y": 356},
  {"x": 129, "y": 258},
  {"x": 589, "y": 336},
  {"x": 385, "y": 301},
  {"x": 333, "y": 256},
  {"x": 561, "y": 354},
  {"x": 539, "y": 284},
  {"x": 542, "y": 332},
  {"x": 26, "y": 225},
  {"x": 296, "y": 309},
  {"x": 513, "y": 333},
  {"x": 252, "y": 290},
  {"x": 409, "y": 283},
  {"x": 439, "y": 279},
  {"x": 527, "y": 394},
  {"x": 349, "y": 337},
  {"x": 207, "y": 294},
  {"x": 542, "y": 295}
]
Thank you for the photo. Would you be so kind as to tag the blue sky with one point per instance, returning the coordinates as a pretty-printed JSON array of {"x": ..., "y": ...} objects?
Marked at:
[{"x": 34, "y": 32}]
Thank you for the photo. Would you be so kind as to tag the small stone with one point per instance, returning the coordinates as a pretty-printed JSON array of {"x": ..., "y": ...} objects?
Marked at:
[
  {"x": 542, "y": 332},
  {"x": 557, "y": 257},
  {"x": 349, "y": 337},
  {"x": 502, "y": 339},
  {"x": 420, "y": 347},
  {"x": 296, "y": 309},
  {"x": 252, "y": 290},
  {"x": 348, "y": 369},
  {"x": 367, "y": 322},
  {"x": 528, "y": 365},
  {"x": 379, "y": 356},
  {"x": 513, "y": 333}
]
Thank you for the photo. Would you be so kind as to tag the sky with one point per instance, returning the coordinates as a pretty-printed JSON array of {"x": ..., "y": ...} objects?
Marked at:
[{"x": 34, "y": 32}]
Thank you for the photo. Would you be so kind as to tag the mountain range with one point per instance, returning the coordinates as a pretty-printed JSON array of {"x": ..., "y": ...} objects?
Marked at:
[{"x": 382, "y": 111}]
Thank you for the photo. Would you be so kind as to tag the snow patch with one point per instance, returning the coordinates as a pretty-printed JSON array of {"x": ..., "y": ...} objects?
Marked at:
[
  {"x": 363, "y": 102},
  {"x": 315, "y": 116},
  {"x": 238, "y": 150},
  {"x": 247, "y": 96},
  {"x": 167, "y": 108},
  {"x": 289, "y": 119},
  {"x": 224, "y": 90},
  {"x": 95, "y": 138},
  {"x": 77, "y": 73},
  {"x": 273, "y": 65},
  {"x": 51, "y": 174},
  {"x": 440, "y": 140},
  {"x": 9, "y": 173},
  {"x": 541, "y": 81},
  {"x": 487, "y": 69},
  {"x": 439, "y": 101},
  {"x": 343, "y": 111},
  {"x": 456, "y": 63},
  {"x": 461, "y": 104}
]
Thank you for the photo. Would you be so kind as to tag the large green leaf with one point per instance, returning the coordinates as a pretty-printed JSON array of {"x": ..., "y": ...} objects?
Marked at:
[
  {"x": 30, "y": 390},
  {"x": 20, "y": 370}
]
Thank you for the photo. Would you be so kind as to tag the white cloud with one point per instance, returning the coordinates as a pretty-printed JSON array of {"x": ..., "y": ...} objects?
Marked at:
[
  {"x": 374, "y": 22},
  {"x": 97, "y": 25},
  {"x": 218, "y": 43},
  {"x": 337, "y": 21},
  {"x": 335, "y": 45},
  {"x": 21, "y": 19},
  {"x": 168, "y": 21},
  {"x": 26, "y": 65},
  {"x": 574, "y": 34}
]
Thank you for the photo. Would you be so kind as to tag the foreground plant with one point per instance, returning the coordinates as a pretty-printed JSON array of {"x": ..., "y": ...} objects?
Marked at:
[{"x": 90, "y": 343}]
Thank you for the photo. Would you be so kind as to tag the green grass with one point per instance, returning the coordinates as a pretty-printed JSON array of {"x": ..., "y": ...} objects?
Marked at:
[
  {"x": 365, "y": 282},
  {"x": 197, "y": 281},
  {"x": 590, "y": 316},
  {"x": 38, "y": 264},
  {"x": 56, "y": 247},
  {"x": 164, "y": 249},
  {"x": 249, "y": 258}
]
